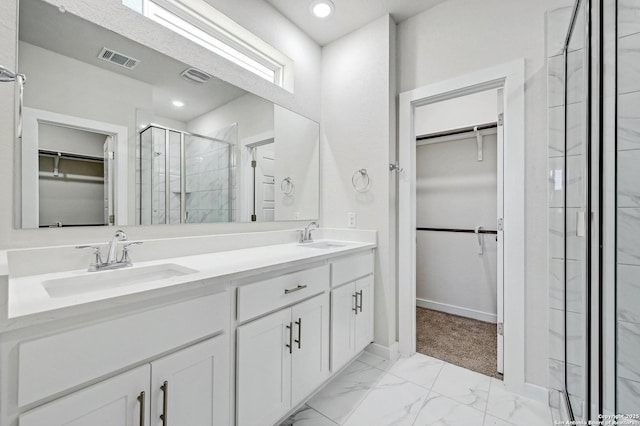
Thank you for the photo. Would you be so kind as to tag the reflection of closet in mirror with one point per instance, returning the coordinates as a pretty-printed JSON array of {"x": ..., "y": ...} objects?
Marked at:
[
  {"x": 183, "y": 177},
  {"x": 73, "y": 185}
]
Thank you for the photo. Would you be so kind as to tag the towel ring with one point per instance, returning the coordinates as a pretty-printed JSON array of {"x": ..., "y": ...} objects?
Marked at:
[
  {"x": 287, "y": 186},
  {"x": 363, "y": 183}
]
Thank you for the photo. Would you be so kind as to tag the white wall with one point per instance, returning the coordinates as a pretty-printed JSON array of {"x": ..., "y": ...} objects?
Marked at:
[
  {"x": 358, "y": 131},
  {"x": 254, "y": 15},
  {"x": 297, "y": 154},
  {"x": 461, "y": 36},
  {"x": 457, "y": 113},
  {"x": 253, "y": 115},
  {"x": 455, "y": 190}
]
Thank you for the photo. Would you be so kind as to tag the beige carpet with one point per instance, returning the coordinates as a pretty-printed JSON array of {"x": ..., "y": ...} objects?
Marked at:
[{"x": 461, "y": 341}]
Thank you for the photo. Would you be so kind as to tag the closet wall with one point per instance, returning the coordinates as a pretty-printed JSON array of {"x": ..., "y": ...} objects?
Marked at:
[
  {"x": 457, "y": 272},
  {"x": 75, "y": 195}
]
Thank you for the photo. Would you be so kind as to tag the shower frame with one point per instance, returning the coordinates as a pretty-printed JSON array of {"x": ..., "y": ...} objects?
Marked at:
[{"x": 183, "y": 180}]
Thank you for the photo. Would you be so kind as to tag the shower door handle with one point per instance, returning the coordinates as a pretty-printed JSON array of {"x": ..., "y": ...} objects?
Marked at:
[{"x": 581, "y": 224}]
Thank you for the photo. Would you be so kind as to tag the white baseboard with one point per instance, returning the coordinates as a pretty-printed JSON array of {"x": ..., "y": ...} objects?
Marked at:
[
  {"x": 536, "y": 392},
  {"x": 457, "y": 310},
  {"x": 385, "y": 352}
]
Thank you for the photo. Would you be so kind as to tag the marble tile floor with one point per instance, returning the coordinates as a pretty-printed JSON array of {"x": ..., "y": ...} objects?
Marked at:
[{"x": 417, "y": 391}]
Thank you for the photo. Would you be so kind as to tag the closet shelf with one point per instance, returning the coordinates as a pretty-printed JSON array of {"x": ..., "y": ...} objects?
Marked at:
[{"x": 69, "y": 156}]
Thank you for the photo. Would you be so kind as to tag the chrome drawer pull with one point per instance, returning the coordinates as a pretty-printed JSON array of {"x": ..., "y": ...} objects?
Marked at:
[
  {"x": 291, "y": 290},
  {"x": 360, "y": 305},
  {"x": 355, "y": 309}
]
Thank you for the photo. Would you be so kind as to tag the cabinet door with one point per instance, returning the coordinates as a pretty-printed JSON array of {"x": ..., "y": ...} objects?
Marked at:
[
  {"x": 343, "y": 343},
  {"x": 264, "y": 370},
  {"x": 191, "y": 387},
  {"x": 310, "y": 346},
  {"x": 119, "y": 401},
  {"x": 364, "y": 317}
]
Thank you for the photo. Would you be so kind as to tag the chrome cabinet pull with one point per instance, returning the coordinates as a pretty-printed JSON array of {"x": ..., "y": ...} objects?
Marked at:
[
  {"x": 299, "y": 340},
  {"x": 291, "y": 290},
  {"x": 290, "y": 345},
  {"x": 360, "y": 305},
  {"x": 355, "y": 308},
  {"x": 142, "y": 409},
  {"x": 165, "y": 398}
]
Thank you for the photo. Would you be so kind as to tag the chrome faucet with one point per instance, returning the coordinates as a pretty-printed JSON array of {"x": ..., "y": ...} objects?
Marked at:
[
  {"x": 112, "y": 261},
  {"x": 305, "y": 236},
  {"x": 113, "y": 245}
]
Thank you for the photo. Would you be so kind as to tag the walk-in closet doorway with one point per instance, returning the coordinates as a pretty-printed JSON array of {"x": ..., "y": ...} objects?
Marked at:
[
  {"x": 459, "y": 192},
  {"x": 510, "y": 266}
]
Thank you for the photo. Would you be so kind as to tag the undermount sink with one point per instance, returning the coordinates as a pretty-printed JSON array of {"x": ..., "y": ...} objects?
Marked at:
[
  {"x": 322, "y": 245},
  {"x": 103, "y": 280}
]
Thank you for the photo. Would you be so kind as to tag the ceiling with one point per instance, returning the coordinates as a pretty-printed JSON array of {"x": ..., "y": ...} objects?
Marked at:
[
  {"x": 43, "y": 25},
  {"x": 348, "y": 16}
]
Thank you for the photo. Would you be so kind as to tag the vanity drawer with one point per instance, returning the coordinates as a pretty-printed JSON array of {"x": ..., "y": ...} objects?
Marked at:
[
  {"x": 53, "y": 364},
  {"x": 351, "y": 268},
  {"x": 264, "y": 296}
]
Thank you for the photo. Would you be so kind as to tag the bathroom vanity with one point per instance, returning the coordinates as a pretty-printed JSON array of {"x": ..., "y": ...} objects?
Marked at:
[{"x": 230, "y": 337}]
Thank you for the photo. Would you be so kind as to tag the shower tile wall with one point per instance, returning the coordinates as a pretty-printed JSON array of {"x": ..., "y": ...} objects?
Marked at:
[
  {"x": 209, "y": 170},
  {"x": 150, "y": 177},
  {"x": 557, "y": 26},
  {"x": 210, "y": 188},
  {"x": 628, "y": 208}
]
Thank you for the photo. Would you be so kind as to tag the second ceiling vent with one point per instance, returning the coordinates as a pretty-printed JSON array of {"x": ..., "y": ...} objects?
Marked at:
[
  {"x": 118, "y": 58},
  {"x": 195, "y": 75}
]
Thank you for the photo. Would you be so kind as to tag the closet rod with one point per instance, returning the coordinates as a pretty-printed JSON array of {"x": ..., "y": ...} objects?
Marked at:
[
  {"x": 60, "y": 225},
  {"x": 67, "y": 155},
  {"x": 464, "y": 231},
  {"x": 459, "y": 131}
]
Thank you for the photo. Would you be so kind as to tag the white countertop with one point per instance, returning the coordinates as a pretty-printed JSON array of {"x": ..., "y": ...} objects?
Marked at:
[{"x": 27, "y": 295}]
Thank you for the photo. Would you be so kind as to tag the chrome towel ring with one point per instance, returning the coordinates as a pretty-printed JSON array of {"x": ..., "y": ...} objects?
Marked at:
[
  {"x": 287, "y": 186},
  {"x": 361, "y": 180}
]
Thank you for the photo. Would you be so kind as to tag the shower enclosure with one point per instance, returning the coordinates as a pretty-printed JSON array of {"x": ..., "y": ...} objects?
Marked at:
[
  {"x": 183, "y": 177},
  {"x": 595, "y": 214}
]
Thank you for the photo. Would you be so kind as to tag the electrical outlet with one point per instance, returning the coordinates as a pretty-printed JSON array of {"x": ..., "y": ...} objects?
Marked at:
[{"x": 351, "y": 220}]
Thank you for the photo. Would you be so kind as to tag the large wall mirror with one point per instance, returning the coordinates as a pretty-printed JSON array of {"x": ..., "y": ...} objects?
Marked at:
[{"x": 115, "y": 133}]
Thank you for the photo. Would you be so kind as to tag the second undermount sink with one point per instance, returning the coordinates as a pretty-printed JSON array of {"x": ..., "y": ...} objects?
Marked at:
[
  {"x": 103, "y": 280},
  {"x": 323, "y": 245}
]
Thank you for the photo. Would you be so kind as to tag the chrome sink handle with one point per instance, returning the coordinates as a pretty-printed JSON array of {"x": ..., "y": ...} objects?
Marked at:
[
  {"x": 97, "y": 259},
  {"x": 125, "y": 252}
]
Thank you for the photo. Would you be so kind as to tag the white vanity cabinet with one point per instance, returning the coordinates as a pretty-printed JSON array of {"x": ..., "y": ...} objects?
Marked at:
[
  {"x": 122, "y": 400},
  {"x": 351, "y": 308},
  {"x": 176, "y": 390},
  {"x": 284, "y": 356},
  {"x": 190, "y": 387},
  {"x": 175, "y": 359}
]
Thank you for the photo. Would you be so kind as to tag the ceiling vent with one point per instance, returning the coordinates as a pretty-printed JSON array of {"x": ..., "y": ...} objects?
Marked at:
[
  {"x": 195, "y": 75},
  {"x": 117, "y": 58}
]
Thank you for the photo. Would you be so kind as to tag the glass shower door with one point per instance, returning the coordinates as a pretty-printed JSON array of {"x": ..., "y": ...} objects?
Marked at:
[{"x": 577, "y": 208}]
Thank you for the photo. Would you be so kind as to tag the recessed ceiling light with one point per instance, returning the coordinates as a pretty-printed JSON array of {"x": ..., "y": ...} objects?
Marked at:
[
  {"x": 322, "y": 8},
  {"x": 178, "y": 104}
]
